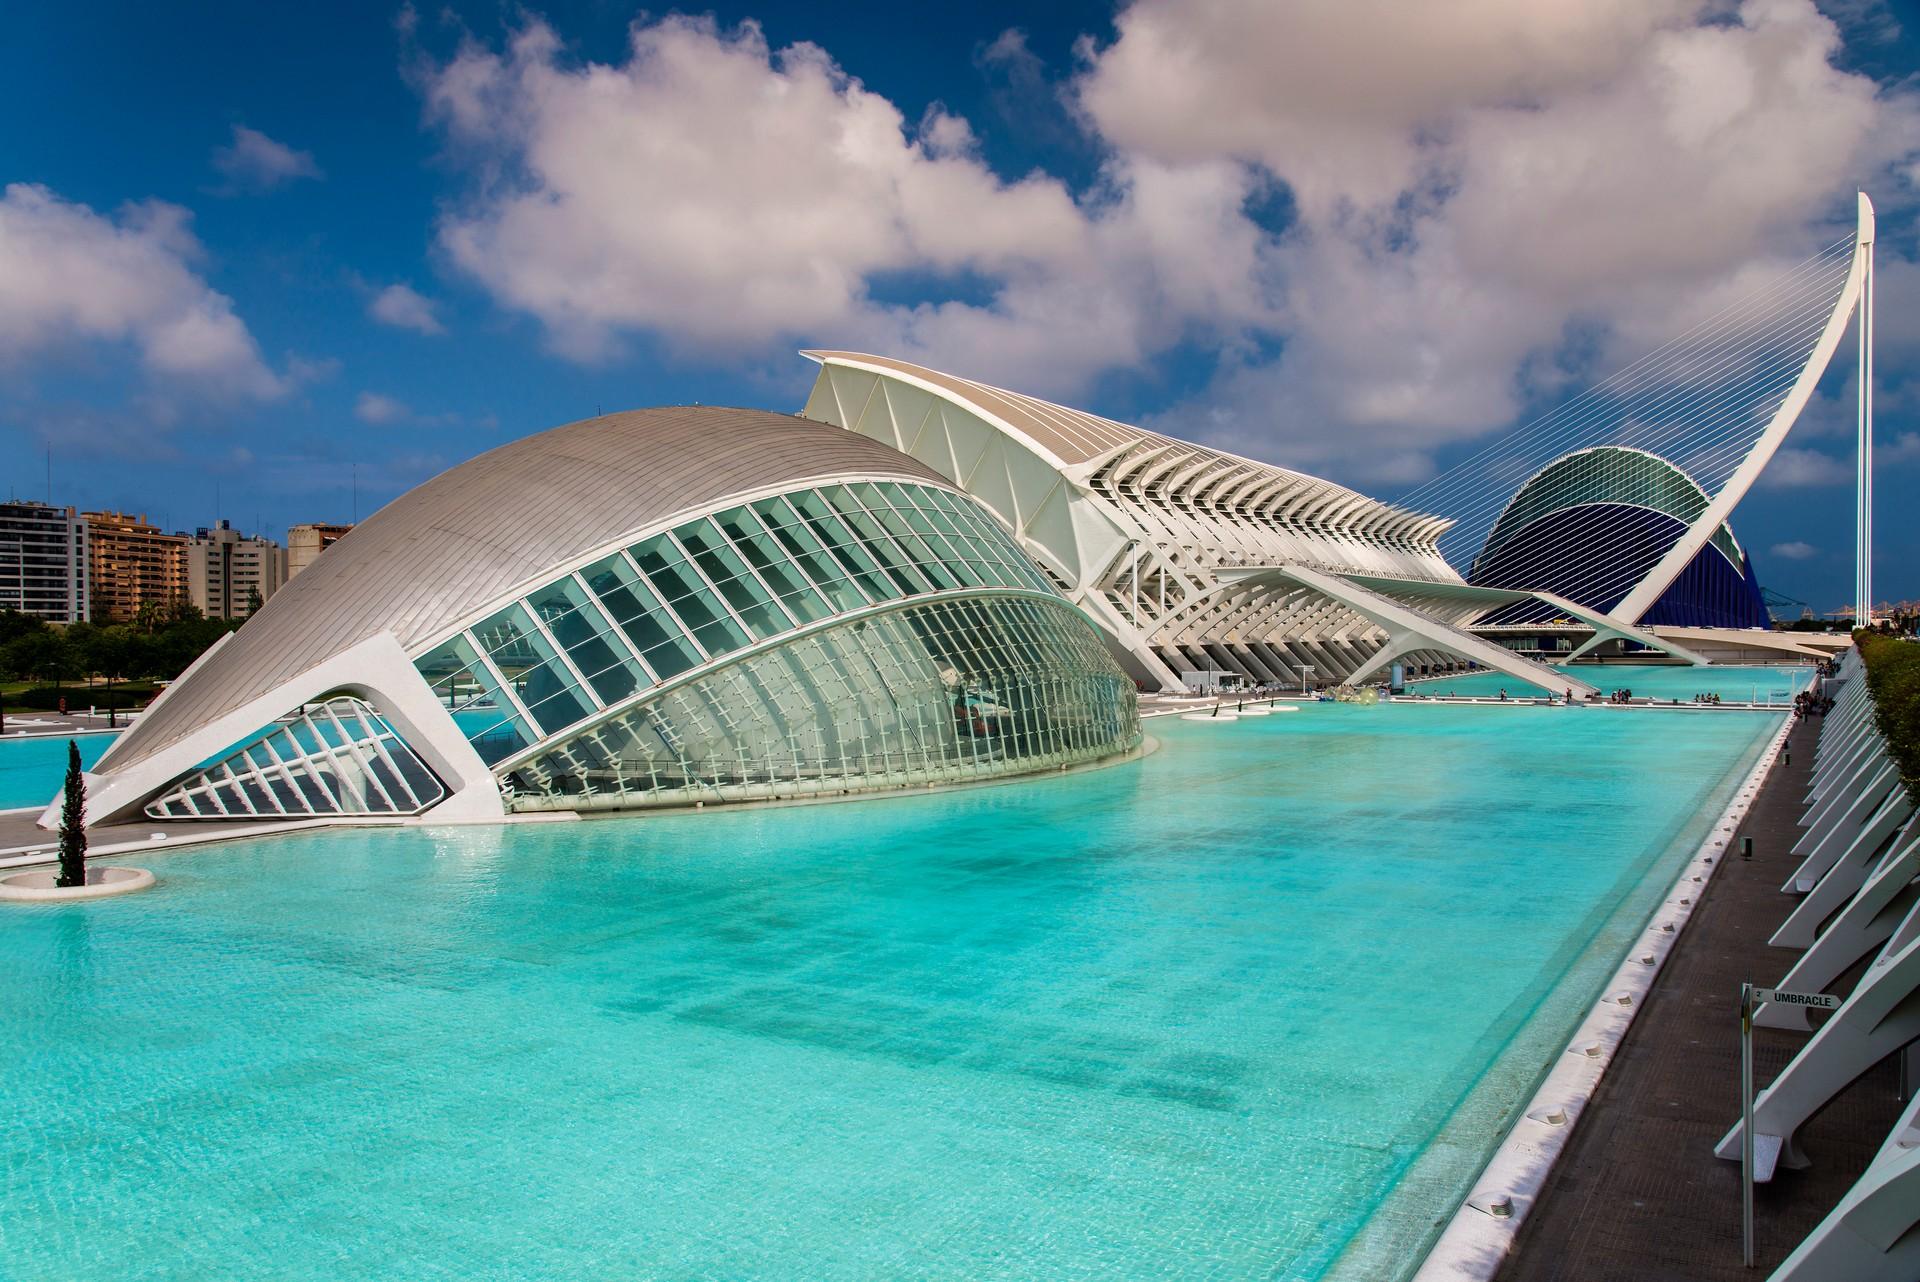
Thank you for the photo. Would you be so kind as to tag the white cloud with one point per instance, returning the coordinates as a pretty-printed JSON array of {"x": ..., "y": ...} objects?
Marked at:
[
  {"x": 738, "y": 199},
  {"x": 384, "y": 411},
  {"x": 69, "y": 275},
  {"x": 713, "y": 189},
  {"x": 255, "y": 162},
  {"x": 1796, "y": 468},
  {"x": 1501, "y": 174},
  {"x": 405, "y": 308},
  {"x": 376, "y": 407},
  {"x": 1795, "y": 551},
  {"x": 1474, "y": 181}
]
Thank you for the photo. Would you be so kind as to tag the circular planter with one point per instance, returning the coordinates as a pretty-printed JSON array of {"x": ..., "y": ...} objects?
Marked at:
[{"x": 37, "y": 886}]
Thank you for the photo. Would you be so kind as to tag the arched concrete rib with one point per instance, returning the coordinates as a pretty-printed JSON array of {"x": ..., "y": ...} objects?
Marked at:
[{"x": 1410, "y": 629}]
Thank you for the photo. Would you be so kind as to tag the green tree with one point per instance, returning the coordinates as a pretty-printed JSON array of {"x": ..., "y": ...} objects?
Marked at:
[
  {"x": 44, "y": 654},
  {"x": 73, "y": 823}
]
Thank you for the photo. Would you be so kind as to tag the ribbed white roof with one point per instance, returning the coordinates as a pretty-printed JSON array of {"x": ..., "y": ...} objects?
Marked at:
[{"x": 496, "y": 524}]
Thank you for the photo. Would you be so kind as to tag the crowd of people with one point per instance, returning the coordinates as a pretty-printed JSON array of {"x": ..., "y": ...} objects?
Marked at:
[{"x": 1810, "y": 704}]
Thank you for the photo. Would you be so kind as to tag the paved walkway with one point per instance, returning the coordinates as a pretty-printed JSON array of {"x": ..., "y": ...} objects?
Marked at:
[{"x": 1638, "y": 1195}]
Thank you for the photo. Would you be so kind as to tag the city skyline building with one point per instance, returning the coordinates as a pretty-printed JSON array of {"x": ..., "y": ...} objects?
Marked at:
[
  {"x": 305, "y": 542},
  {"x": 131, "y": 563},
  {"x": 231, "y": 574},
  {"x": 43, "y": 561}
]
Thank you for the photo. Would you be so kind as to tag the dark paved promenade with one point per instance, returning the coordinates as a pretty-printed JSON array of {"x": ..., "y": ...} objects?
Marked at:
[{"x": 1639, "y": 1196}]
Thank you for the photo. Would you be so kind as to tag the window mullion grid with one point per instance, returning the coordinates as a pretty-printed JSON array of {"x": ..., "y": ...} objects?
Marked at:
[
  {"x": 779, "y": 601},
  {"x": 286, "y": 771},
  {"x": 912, "y": 563},
  {"x": 621, "y": 641},
  {"x": 713, "y": 589},
  {"x": 653, "y": 591},
  {"x": 560, "y": 653},
  {"x": 515, "y": 707},
  {"x": 352, "y": 749},
  {"x": 826, "y": 556},
  {"x": 375, "y": 742}
]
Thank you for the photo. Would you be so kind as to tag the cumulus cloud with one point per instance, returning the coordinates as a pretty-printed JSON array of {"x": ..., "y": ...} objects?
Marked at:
[
  {"x": 1467, "y": 204},
  {"x": 382, "y": 410},
  {"x": 379, "y": 408},
  {"x": 255, "y": 162},
  {"x": 1795, "y": 551},
  {"x": 405, "y": 308},
  {"x": 734, "y": 197},
  {"x": 1395, "y": 226},
  {"x": 69, "y": 275}
]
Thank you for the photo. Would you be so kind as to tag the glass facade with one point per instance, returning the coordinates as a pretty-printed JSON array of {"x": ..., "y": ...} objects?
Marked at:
[
  {"x": 911, "y": 691},
  {"x": 945, "y": 691},
  {"x": 714, "y": 584},
  {"x": 338, "y": 757}
]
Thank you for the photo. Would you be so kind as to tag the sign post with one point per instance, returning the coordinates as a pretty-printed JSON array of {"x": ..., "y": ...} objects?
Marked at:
[
  {"x": 1306, "y": 670},
  {"x": 1751, "y": 1000}
]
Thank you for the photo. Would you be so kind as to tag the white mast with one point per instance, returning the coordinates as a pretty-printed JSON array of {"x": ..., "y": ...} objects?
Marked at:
[{"x": 1863, "y": 455}]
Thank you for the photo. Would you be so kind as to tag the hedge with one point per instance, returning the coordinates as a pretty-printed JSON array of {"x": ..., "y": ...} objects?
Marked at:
[{"x": 1893, "y": 678}]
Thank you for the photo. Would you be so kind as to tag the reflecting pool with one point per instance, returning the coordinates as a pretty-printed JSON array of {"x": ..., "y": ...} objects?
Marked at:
[
  {"x": 1652, "y": 680},
  {"x": 1253, "y": 1007},
  {"x": 32, "y": 768}
]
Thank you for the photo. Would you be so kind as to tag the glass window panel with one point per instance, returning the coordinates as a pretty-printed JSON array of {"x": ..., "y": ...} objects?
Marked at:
[
  {"x": 765, "y": 554},
  {"x": 639, "y": 614},
  {"x": 577, "y": 624},
  {"x": 895, "y": 562},
  {"x": 841, "y": 543},
  {"x": 533, "y": 670},
  {"x": 924, "y": 558},
  {"x": 694, "y": 602},
  {"x": 724, "y": 567},
  {"x": 797, "y": 540}
]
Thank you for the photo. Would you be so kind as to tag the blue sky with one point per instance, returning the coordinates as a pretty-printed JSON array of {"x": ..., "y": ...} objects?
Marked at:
[{"x": 251, "y": 253}]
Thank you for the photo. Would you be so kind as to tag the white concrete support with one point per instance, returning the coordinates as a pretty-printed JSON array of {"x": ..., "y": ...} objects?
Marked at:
[
  {"x": 1410, "y": 629},
  {"x": 1824, "y": 843},
  {"x": 1875, "y": 1021},
  {"x": 1849, "y": 873},
  {"x": 376, "y": 670},
  {"x": 1873, "y": 1234},
  {"x": 1866, "y": 923},
  {"x": 1863, "y": 454}
]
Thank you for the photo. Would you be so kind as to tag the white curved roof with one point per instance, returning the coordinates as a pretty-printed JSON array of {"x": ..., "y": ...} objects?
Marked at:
[
  {"x": 479, "y": 531},
  {"x": 1127, "y": 456}
]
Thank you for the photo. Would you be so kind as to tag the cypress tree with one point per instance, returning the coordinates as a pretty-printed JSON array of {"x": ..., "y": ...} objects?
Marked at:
[{"x": 73, "y": 824}]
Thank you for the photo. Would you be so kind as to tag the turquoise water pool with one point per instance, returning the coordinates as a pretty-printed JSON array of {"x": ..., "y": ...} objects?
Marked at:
[
  {"x": 1253, "y": 1007},
  {"x": 32, "y": 768},
  {"x": 1658, "y": 681}
]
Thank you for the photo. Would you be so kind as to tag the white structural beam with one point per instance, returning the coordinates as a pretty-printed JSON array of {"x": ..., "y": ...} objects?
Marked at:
[
  {"x": 1641, "y": 598},
  {"x": 1878, "y": 1019},
  {"x": 1869, "y": 1236},
  {"x": 1866, "y": 923},
  {"x": 1606, "y": 627},
  {"x": 1409, "y": 629},
  {"x": 376, "y": 670}
]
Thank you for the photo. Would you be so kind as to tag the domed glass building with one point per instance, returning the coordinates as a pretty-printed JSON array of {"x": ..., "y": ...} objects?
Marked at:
[
  {"x": 656, "y": 608},
  {"x": 1593, "y": 523}
]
